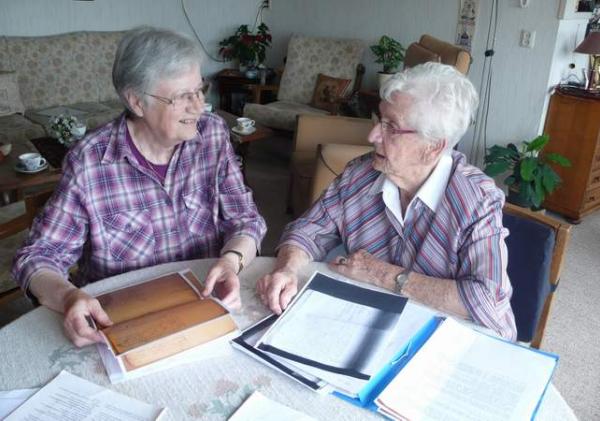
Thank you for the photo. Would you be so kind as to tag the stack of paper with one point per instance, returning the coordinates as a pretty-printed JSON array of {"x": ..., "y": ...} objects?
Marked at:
[
  {"x": 260, "y": 408},
  {"x": 69, "y": 397}
]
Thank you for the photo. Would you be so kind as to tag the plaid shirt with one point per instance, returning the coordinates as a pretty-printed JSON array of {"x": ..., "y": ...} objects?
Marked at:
[
  {"x": 462, "y": 240},
  {"x": 112, "y": 215}
]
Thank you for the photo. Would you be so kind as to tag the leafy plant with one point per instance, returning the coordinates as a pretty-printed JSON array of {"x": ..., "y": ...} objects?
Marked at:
[
  {"x": 389, "y": 52},
  {"x": 531, "y": 178},
  {"x": 245, "y": 46},
  {"x": 62, "y": 127}
]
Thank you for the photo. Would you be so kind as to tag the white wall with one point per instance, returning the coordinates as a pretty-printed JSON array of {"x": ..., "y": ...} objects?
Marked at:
[
  {"x": 520, "y": 75},
  {"x": 213, "y": 20}
]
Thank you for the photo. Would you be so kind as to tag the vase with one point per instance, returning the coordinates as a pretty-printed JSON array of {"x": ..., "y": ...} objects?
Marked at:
[{"x": 383, "y": 77}]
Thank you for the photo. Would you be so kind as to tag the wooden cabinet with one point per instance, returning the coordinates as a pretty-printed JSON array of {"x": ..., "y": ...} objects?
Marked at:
[{"x": 573, "y": 123}]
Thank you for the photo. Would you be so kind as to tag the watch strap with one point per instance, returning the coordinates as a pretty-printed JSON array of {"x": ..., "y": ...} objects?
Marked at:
[{"x": 240, "y": 258}]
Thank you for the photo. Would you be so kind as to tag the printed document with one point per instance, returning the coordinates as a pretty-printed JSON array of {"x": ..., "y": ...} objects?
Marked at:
[
  {"x": 260, "y": 408},
  {"x": 461, "y": 374},
  {"x": 69, "y": 397}
]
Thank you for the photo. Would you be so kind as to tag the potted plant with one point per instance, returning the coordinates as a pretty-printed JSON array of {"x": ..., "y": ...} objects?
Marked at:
[
  {"x": 248, "y": 48},
  {"x": 390, "y": 53},
  {"x": 531, "y": 178}
]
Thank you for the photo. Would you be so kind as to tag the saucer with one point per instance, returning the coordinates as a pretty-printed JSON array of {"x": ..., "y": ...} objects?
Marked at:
[
  {"x": 20, "y": 168},
  {"x": 237, "y": 130}
]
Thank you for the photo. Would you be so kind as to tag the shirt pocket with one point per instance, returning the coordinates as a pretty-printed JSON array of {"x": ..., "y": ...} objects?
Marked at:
[
  {"x": 234, "y": 206},
  {"x": 130, "y": 235},
  {"x": 199, "y": 216}
]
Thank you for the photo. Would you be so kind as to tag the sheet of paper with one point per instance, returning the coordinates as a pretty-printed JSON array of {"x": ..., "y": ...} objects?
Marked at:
[
  {"x": 68, "y": 397},
  {"x": 411, "y": 320},
  {"x": 460, "y": 374},
  {"x": 260, "y": 408},
  {"x": 12, "y": 399}
]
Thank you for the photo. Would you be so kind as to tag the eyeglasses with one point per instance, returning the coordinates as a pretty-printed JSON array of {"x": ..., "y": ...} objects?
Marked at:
[
  {"x": 389, "y": 129},
  {"x": 180, "y": 100}
]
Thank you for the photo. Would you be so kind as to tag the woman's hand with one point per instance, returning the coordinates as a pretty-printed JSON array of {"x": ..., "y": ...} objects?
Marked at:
[
  {"x": 222, "y": 278},
  {"x": 363, "y": 266},
  {"x": 277, "y": 289},
  {"x": 78, "y": 306}
]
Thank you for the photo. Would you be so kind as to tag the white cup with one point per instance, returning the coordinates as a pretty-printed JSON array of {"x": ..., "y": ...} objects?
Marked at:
[
  {"x": 245, "y": 124},
  {"x": 208, "y": 107},
  {"x": 31, "y": 161}
]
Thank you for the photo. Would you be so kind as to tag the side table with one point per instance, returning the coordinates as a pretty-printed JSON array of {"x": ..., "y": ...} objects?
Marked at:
[{"x": 231, "y": 81}]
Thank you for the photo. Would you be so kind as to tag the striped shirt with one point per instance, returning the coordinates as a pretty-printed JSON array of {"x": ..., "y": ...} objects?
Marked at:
[
  {"x": 112, "y": 215},
  {"x": 462, "y": 240}
]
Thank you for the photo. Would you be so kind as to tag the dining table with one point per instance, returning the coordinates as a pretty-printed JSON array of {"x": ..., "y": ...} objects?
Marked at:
[{"x": 34, "y": 350}]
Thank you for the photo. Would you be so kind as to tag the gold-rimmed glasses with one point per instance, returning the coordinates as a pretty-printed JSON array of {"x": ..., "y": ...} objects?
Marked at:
[{"x": 180, "y": 100}]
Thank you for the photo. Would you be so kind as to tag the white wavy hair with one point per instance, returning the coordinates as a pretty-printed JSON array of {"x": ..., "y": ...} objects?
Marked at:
[{"x": 445, "y": 101}]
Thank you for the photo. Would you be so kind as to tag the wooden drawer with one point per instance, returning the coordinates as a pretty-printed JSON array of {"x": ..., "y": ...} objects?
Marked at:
[
  {"x": 594, "y": 181},
  {"x": 591, "y": 199}
]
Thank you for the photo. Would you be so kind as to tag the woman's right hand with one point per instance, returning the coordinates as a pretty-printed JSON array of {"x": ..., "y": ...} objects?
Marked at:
[
  {"x": 277, "y": 289},
  {"x": 78, "y": 305}
]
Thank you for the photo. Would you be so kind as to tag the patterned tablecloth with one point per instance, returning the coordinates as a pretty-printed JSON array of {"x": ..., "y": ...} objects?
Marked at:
[{"x": 34, "y": 350}]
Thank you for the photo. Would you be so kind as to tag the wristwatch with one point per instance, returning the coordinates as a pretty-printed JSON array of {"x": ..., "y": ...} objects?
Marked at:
[
  {"x": 240, "y": 257},
  {"x": 401, "y": 279}
]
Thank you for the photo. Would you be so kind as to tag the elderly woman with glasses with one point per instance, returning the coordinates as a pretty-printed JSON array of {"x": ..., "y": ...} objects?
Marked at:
[
  {"x": 158, "y": 184},
  {"x": 413, "y": 216}
]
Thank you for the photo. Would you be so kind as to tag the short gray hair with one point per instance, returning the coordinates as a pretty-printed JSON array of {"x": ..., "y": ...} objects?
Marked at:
[
  {"x": 146, "y": 55},
  {"x": 445, "y": 101}
]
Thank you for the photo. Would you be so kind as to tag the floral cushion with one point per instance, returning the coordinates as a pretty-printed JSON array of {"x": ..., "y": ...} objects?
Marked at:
[
  {"x": 328, "y": 91},
  {"x": 10, "y": 98},
  {"x": 102, "y": 57},
  {"x": 280, "y": 114},
  {"x": 307, "y": 57},
  {"x": 93, "y": 114}
]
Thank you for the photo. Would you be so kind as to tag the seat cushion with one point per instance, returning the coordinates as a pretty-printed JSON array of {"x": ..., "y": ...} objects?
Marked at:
[
  {"x": 93, "y": 114},
  {"x": 307, "y": 57},
  {"x": 530, "y": 247},
  {"x": 15, "y": 128},
  {"x": 279, "y": 114},
  {"x": 8, "y": 246},
  {"x": 328, "y": 91}
]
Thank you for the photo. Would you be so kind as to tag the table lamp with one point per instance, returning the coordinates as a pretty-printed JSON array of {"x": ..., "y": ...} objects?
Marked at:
[{"x": 591, "y": 45}]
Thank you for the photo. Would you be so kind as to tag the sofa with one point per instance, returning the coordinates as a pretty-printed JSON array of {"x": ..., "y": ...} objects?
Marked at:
[{"x": 47, "y": 75}]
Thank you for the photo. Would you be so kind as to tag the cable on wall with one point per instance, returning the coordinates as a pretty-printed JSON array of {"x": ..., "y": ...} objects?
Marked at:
[
  {"x": 481, "y": 121},
  {"x": 262, "y": 4}
]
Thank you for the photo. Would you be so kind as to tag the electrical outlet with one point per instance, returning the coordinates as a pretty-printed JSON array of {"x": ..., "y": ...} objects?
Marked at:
[{"x": 527, "y": 39}]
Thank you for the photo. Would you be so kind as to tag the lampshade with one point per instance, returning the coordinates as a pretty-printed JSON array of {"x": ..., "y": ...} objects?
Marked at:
[{"x": 590, "y": 45}]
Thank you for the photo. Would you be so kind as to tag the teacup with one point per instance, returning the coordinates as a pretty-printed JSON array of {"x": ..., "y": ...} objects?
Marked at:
[
  {"x": 31, "y": 161},
  {"x": 245, "y": 124},
  {"x": 208, "y": 107}
]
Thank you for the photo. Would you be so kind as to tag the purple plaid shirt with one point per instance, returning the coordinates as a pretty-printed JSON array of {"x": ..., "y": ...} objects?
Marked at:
[
  {"x": 462, "y": 240},
  {"x": 112, "y": 215}
]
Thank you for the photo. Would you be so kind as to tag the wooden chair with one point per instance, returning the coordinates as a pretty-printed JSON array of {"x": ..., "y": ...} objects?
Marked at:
[
  {"x": 19, "y": 224},
  {"x": 536, "y": 249}
]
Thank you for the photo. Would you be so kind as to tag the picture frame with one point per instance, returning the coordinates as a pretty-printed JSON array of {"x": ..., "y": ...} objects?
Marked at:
[{"x": 576, "y": 9}]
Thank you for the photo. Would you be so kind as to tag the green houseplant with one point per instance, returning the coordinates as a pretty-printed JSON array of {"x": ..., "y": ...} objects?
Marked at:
[
  {"x": 250, "y": 49},
  {"x": 389, "y": 53},
  {"x": 531, "y": 177}
]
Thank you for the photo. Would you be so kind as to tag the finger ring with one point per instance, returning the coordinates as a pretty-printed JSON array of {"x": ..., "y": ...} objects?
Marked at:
[{"x": 342, "y": 261}]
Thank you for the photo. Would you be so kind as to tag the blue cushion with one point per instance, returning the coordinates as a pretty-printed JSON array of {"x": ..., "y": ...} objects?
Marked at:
[{"x": 530, "y": 246}]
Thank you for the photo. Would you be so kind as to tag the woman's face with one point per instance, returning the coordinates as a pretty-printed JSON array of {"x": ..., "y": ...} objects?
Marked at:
[
  {"x": 400, "y": 151},
  {"x": 171, "y": 124}
]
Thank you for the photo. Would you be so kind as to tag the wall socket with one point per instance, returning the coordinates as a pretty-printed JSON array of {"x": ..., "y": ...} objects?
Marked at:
[{"x": 527, "y": 39}]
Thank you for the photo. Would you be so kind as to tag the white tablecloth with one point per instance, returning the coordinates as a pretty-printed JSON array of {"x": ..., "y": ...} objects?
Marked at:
[{"x": 33, "y": 350}]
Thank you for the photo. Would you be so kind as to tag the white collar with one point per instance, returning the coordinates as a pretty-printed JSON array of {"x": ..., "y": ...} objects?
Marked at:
[{"x": 430, "y": 192}]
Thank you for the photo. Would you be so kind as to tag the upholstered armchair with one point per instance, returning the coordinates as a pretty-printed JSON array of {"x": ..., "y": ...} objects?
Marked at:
[
  {"x": 306, "y": 59},
  {"x": 432, "y": 49}
]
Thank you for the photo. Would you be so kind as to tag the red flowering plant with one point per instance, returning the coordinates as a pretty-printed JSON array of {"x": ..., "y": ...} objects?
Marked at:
[{"x": 245, "y": 46}]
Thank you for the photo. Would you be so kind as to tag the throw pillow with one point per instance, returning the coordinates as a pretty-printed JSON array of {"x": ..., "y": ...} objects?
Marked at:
[
  {"x": 328, "y": 91},
  {"x": 10, "y": 98}
]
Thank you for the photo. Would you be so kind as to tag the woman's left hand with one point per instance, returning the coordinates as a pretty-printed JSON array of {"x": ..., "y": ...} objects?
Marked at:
[
  {"x": 222, "y": 278},
  {"x": 363, "y": 266}
]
